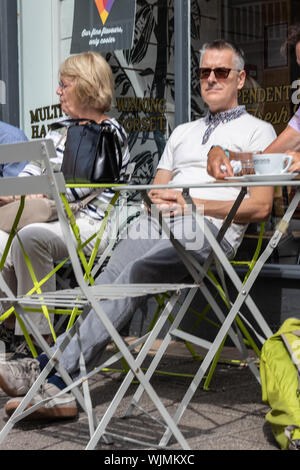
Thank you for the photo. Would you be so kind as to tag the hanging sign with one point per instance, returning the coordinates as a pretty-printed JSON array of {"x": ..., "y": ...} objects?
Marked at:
[{"x": 103, "y": 25}]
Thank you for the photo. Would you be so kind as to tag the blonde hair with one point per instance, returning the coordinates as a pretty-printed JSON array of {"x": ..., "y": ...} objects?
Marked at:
[{"x": 94, "y": 83}]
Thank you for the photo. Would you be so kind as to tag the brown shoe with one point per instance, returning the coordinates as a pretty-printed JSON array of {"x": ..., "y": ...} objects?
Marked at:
[{"x": 55, "y": 407}]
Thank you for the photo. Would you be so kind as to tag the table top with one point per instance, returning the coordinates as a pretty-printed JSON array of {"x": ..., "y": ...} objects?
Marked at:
[
  {"x": 238, "y": 182},
  {"x": 233, "y": 182}
]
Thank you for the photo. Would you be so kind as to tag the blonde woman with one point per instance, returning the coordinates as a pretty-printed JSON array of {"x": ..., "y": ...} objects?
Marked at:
[{"x": 85, "y": 91}]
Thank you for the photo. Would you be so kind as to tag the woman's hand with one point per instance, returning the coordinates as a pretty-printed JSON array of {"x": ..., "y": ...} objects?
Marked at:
[{"x": 295, "y": 166}]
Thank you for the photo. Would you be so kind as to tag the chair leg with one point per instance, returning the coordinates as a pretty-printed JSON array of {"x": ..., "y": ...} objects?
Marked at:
[{"x": 213, "y": 366}]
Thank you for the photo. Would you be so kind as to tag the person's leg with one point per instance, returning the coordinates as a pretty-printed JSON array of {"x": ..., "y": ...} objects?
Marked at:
[
  {"x": 87, "y": 227},
  {"x": 17, "y": 376},
  {"x": 142, "y": 238},
  {"x": 7, "y": 337},
  {"x": 8, "y": 271},
  {"x": 155, "y": 260},
  {"x": 135, "y": 260},
  {"x": 44, "y": 244}
]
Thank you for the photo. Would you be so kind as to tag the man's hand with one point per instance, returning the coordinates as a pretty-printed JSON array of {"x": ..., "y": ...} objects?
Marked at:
[
  {"x": 168, "y": 201},
  {"x": 295, "y": 166},
  {"x": 216, "y": 159}
]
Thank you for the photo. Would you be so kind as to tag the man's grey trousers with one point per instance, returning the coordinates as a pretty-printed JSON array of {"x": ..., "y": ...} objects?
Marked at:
[{"x": 144, "y": 256}]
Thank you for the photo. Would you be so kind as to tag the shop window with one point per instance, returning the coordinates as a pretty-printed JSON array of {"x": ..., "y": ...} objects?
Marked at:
[
  {"x": 144, "y": 78},
  {"x": 271, "y": 89}
]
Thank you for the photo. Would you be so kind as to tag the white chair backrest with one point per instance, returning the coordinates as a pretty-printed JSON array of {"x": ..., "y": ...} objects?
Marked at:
[{"x": 37, "y": 150}]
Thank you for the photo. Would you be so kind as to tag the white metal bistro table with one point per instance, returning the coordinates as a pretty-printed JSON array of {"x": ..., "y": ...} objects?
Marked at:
[
  {"x": 198, "y": 272},
  {"x": 90, "y": 296}
]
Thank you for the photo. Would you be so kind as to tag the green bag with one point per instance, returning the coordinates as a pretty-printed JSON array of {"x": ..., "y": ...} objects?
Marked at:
[{"x": 280, "y": 380}]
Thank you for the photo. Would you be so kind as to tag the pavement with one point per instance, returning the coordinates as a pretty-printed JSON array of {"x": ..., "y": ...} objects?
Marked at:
[{"x": 230, "y": 416}]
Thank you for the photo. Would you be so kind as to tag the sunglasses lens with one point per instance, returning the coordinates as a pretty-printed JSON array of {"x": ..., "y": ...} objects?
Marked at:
[
  {"x": 204, "y": 73},
  {"x": 221, "y": 72}
]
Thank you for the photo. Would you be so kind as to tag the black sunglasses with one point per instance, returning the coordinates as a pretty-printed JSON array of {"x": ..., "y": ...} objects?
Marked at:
[{"x": 220, "y": 72}]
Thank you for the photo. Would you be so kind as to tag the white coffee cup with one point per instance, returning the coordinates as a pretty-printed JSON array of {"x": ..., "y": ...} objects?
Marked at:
[{"x": 271, "y": 163}]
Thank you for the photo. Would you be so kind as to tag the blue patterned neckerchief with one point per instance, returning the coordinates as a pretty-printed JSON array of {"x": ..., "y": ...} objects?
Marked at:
[{"x": 212, "y": 121}]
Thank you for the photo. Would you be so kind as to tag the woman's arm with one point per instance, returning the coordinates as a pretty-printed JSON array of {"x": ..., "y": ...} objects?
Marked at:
[{"x": 288, "y": 139}]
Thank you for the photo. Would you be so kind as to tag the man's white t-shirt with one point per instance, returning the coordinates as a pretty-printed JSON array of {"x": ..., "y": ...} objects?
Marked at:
[{"x": 186, "y": 157}]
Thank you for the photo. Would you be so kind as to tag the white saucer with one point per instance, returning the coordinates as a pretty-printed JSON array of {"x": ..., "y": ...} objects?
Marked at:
[
  {"x": 281, "y": 177},
  {"x": 234, "y": 178}
]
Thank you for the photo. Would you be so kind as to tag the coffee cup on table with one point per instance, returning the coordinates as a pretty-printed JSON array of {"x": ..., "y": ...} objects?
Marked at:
[{"x": 271, "y": 163}]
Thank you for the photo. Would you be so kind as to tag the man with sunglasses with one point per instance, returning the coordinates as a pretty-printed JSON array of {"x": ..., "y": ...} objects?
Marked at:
[
  {"x": 226, "y": 125},
  {"x": 145, "y": 255}
]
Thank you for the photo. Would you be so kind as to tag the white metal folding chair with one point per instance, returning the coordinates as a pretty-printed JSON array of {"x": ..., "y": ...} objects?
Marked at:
[{"x": 84, "y": 297}]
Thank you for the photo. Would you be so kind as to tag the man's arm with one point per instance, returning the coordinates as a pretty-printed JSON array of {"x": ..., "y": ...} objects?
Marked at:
[
  {"x": 287, "y": 142},
  {"x": 288, "y": 139},
  {"x": 162, "y": 177},
  {"x": 255, "y": 208}
]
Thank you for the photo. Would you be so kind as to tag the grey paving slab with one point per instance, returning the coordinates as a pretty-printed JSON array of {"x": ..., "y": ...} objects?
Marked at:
[{"x": 230, "y": 416}]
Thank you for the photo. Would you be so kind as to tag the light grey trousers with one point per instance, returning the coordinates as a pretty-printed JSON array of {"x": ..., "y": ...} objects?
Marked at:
[
  {"x": 44, "y": 244},
  {"x": 145, "y": 256}
]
